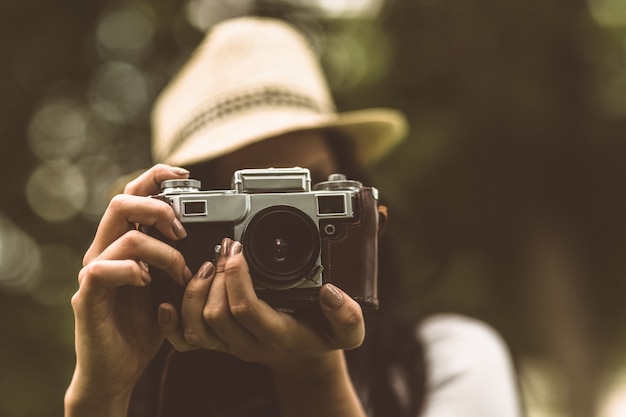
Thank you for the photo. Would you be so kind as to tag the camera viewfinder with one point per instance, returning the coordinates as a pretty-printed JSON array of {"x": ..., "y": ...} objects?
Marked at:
[
  {"x": 331, "y": 204},
  {"x": 194, "y": 208}
]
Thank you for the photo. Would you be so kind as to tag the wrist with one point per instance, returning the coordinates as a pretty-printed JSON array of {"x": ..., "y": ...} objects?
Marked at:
[
  {"x": 85, "y": 399},
  {"x": 77, "y": 406},
  {"x": 322, "y": 366}
]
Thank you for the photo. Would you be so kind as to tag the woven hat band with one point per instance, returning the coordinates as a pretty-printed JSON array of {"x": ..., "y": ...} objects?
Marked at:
[{"x": 234, "y": 105}]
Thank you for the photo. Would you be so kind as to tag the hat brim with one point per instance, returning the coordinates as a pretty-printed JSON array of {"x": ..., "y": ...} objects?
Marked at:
[{"x": 375, "y": 132}]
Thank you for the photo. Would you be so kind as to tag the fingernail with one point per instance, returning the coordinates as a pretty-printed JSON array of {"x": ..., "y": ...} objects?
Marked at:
[
  {"x": 236, "y": 248},
  {"x": 331, "y": 296},
  {"x": 180, "y": 171},
  {"x": 226, "y": 244},
  {"x": 145, "y": 277},
  {"x": 179, "y": 229},
  {"x": 164, "y": 316},
  {"x": 206, "y": 270}
]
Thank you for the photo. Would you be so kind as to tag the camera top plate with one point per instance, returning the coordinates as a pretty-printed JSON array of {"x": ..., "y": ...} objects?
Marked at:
[{"x": 272, "y": 180}]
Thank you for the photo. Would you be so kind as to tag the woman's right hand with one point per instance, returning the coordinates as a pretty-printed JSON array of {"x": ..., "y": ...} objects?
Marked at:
[{"x": 116, "y": 329}]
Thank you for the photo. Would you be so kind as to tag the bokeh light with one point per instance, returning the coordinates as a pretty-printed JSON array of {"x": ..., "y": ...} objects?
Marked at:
[
  {"x": 126, "y": 34},
  {"x": 20, "y": 261},
  {"x": 357, "y": 56},
  {"x": 119, "y": 92},
  {"x": 100, "y": 173},
  {"x": 56, "y": 191},
  {"x": 202, "y": 14},
  {"x": 58, "y": 130}
]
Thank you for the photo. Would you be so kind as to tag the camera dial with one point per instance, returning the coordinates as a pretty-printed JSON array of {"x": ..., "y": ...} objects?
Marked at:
[
  {"x": 180, "y": 186},
  {"x": 338, "y": 182}
]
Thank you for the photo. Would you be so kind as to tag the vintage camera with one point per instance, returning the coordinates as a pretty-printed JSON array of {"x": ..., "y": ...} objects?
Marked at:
[{"x": 294, "y": 239}]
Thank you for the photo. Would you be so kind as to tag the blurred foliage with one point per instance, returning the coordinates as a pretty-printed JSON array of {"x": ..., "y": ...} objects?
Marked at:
[{"x": 507, "y": 196}]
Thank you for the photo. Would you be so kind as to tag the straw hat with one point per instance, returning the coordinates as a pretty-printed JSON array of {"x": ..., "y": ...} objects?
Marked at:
[{"x": 251, "y": 79}]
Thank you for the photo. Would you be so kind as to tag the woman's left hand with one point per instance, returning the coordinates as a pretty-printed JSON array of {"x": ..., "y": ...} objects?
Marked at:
[{"x": 221, "y": 311}]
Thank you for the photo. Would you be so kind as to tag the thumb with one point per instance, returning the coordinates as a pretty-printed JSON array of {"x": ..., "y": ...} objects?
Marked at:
[
  {"x": 170, "y": 325},
  {"x": 345, "y": 317}
]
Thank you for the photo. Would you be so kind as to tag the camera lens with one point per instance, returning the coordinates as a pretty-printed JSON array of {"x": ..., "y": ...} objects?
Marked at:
[
  {"x": 279, "y": 250},
  {"x": 282, "y": 246}
]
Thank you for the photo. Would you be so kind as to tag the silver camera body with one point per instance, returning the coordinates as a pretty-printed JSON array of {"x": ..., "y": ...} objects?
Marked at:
[{"x": 288, "y": 228}]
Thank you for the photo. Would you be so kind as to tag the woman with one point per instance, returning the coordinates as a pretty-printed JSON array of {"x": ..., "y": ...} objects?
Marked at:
[{"x": 253, "y": 96}]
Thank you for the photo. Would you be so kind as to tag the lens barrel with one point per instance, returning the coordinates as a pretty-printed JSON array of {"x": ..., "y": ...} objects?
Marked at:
[{"x": 282, "y": 246}]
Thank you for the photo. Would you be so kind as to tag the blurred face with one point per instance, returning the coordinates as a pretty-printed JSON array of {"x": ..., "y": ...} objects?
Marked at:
[{"x": 302, "y": 149}]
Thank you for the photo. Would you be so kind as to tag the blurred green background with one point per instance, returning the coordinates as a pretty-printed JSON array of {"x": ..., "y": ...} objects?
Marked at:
[{"x": 508, "y": 197}]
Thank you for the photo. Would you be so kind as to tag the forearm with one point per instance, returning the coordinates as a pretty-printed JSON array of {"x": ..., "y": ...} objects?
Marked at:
[{"x": 325, "y": 389}]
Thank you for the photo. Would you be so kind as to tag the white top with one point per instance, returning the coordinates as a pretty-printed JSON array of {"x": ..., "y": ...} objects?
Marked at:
[{"x": 469, "y": 370}]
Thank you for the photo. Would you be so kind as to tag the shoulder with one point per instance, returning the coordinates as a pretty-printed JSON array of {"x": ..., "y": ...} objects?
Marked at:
[
  {"x": 451, "y": 332},
  {"x": 468, "y": 367}
]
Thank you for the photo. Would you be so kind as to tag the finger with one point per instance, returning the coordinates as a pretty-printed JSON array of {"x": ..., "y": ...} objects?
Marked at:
[
  {"x": 195, "y": 329},
  {"x": 99, "y": 277},
  {"x": 149, "y": 182},
  {"x": 170, "y": 325},
  {"x": 254, "y": 314},
  {"x": 141, "y": 247},
  {"x": 124, "y": 211},
  {"x": 217, "y": 311},
  {"x": 345, "y": 317}
]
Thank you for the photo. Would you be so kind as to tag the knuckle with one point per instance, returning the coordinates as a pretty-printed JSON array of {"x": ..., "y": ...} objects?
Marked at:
[
  {"x": 87, "y": 277},
  {"x": 174, "y": 257},
  {"x": 191, "y": 337},
  {"x": 82, "y": 274},
  {"x": 162, "y": 209},
  {"x": 242, "y": 311},
  {"x": 160, "y": 167},
  {"x": 130, "y": 240},
  {"x": 88, "y": 272},
  {"x": 92, "y": 275},
  {"x": 232, "y": 269},
  {"x": 212, "y": 315},
  {"x": 117, "y": 202}
]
